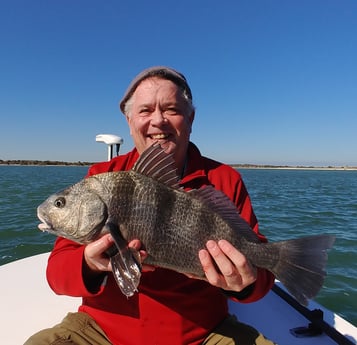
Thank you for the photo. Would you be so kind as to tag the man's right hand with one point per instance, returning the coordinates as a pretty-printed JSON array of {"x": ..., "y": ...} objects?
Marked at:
[
  {"x": 97, "y": 261},
  {"x": 95, "y": 257}
]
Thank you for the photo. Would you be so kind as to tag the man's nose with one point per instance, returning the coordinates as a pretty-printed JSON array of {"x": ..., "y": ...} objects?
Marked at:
[{"x": 158, "y": 117}]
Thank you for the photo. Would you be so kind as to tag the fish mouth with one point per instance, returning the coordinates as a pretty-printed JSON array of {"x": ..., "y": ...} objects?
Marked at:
[
  {"x": 48, "y": 227},
  {"x": 44, "y": 226}
]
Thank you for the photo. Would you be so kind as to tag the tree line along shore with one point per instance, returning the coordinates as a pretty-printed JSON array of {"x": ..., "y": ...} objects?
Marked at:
[
  {"x": 236, "y": 166},
  {"x": 38, "y": 162}
]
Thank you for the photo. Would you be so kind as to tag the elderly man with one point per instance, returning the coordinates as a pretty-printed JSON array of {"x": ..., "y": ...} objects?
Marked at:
[{"x": 169, "y": 308}]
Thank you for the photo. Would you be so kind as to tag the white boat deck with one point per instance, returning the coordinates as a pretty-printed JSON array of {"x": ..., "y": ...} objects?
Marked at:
[{"x": 28, "y": 305}]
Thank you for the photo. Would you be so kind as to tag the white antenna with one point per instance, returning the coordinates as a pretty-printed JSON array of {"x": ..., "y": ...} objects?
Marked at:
[{"x": 110, "y": 140}]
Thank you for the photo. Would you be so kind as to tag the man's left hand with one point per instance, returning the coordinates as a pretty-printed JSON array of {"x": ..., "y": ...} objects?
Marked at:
[{"x": 226, "y": 267}]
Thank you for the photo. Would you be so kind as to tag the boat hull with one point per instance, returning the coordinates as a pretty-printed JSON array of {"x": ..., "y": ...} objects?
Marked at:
[{"x": 29, "y": 305}]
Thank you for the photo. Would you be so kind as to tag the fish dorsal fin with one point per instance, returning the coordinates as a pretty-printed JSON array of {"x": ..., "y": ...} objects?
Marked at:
[
  {"x": 154, "y": 162},
  {"x": 219, "y": 203}
]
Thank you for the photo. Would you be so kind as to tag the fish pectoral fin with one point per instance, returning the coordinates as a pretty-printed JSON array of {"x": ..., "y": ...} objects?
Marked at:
[
  {"x": 125, "y": 263},
  {"x": 126, "y": 271}
]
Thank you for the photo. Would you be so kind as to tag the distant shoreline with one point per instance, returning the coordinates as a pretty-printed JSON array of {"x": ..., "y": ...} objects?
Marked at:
[
  {"x": 328, "y": 168},
  {"x": 18, "y": 162}
]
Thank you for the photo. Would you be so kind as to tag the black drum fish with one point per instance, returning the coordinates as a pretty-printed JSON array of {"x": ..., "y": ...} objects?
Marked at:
[{"x": 147, "y": 203}]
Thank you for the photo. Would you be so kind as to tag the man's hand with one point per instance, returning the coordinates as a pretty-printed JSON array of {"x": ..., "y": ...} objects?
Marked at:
[
  {"x": 136, "y": 244},
  {"x": 234, "y": 272},
  {"x": 97, "y": 261},
  {"x": 95, "y": 257}
]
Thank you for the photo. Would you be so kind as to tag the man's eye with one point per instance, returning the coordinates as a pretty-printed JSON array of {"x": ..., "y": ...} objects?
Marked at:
[
  {"x": 144, "y": 112},
  {"x": 171, "y": 111}
]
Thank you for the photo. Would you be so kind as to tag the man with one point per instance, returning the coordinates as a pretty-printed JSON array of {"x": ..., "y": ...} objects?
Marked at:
[{"x": 170, "y": 308}]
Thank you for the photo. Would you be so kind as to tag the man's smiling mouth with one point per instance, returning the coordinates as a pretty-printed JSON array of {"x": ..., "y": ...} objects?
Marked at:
[{"x": 159, "y": 136}]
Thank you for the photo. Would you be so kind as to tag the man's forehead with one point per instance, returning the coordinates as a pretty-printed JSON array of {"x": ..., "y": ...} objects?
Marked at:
[{"x": 162, "y": 89}]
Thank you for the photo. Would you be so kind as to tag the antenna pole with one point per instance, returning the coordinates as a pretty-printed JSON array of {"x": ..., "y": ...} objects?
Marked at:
[{"x": 110, "y": 140}]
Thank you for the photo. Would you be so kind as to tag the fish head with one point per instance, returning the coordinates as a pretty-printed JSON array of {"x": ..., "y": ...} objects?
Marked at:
[{"x": 77, "y": 213}]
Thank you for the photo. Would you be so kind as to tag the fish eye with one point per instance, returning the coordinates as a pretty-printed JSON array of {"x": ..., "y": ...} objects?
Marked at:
[{"x": 60, "y": 202}]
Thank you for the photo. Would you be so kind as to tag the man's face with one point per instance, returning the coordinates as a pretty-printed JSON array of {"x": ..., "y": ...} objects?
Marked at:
[{"x": 159, "y": 113}]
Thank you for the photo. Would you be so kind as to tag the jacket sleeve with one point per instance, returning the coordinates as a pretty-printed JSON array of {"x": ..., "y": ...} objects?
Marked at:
[
  {"x": 64, "y": 269},
  {"x": 233, "y": 186}
]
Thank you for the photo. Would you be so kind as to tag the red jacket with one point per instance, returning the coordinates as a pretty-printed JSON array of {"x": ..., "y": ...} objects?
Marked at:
[{"x": 169, "y": 308}]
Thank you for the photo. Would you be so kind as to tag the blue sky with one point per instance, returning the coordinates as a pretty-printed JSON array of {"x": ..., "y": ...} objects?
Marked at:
[{"x": 273, "y": 81}]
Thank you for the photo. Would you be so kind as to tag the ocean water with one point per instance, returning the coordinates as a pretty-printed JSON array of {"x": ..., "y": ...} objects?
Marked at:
[{"x": 288, "y": 204}]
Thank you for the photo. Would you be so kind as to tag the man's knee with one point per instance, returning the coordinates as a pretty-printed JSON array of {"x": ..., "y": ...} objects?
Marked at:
[
  {"x": 75, "y": 328},
  {"x": 233, "y": 332}
]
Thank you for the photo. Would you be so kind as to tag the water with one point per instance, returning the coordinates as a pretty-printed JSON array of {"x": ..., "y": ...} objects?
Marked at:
[
  {"x": 293, "y": 203},
  {"x": 22, "y": 189},
  {"x": 288, "y": 204}
]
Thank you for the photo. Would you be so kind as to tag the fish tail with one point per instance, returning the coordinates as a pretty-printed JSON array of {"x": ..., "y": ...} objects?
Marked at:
[{"x": 299, "y": 264}]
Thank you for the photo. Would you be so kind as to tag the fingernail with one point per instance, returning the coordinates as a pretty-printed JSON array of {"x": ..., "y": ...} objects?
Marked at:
[
  {"x": 202, "y": 254},
  {"x": 222, "y": 243},
  {"x": 211, "y": 244}
]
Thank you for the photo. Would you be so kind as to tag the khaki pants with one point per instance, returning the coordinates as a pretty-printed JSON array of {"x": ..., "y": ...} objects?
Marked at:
[
  {"x": 233, "y": 332},
  {"x": 81, "y": 329}
]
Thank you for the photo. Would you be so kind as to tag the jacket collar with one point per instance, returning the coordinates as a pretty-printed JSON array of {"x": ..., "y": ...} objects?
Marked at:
[{"x": 195, "y": 169}]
